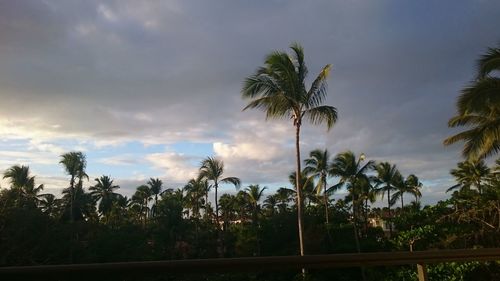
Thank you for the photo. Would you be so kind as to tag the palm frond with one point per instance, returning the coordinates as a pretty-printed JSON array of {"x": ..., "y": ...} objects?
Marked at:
[
  {"x": 322, "y": 114},
  {"x": 233, "y": 180},
  {"x": 259, "y": 84},
  {"x": 299, "y": 57},
  {"x": 489, "y": 62},
  {"x": 482, "y": 95},
  {"x": 317, "y": 92}
]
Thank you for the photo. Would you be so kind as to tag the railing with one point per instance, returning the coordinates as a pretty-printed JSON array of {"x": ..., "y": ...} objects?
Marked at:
[{"x": 90, "y": 271}]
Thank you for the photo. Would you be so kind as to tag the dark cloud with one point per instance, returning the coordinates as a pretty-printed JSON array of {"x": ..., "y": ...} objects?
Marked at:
[{"x": 171, "y": 71}]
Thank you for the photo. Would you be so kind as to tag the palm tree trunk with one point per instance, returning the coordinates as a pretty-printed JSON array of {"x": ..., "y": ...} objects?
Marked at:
[
  {"x": 366, "y": 217},
  {"x": 326, "y": 201},
  {"x": 71, "y": 217},
  {"x": 356, "y": 236},
  {"x": 389, "y": 210},
  {"x": 299, "y": 189},
  {"x": 402, "y": 204},
  {"x": 216, "y": 185},
  {"x": 71, "y": 197}
]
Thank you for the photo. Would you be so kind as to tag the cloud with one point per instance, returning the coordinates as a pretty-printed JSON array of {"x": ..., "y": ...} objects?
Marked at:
[
  {"x": 96, "y": 76},
  {"x": 178, "y": 168}
]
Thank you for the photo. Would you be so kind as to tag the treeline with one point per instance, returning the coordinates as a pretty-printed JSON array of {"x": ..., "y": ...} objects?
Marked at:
[{"x": 98, "y": 224}]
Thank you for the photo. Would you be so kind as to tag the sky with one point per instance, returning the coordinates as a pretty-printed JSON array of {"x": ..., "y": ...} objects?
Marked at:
[{"x": 150, "y": 88}]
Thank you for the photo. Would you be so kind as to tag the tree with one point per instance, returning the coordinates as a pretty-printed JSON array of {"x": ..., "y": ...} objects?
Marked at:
[
  {"x": 279, "y": 89},
  {"x": 411, "y": 185},
  {"x": 195, "y": 190},
  {"x": 23, "y": 184},
  {"x": 387, "y": 177},
  {"x": 307, "y": 187},
  {"x": 212, "y": 169},
  {"x": 317, "y": 166},
  {"x": 48, "y": 203},
  {"x": 253, "y": 193},
  {"x": 74, "y": 164},
  {"x": 140, "y": 200},
  {"x": 470, "y": 174},
  {"x": 353, "y": 175},
  {"x": 478, "y": 108},
  {"x": 103, "y": 191},
  {"x": 155, "y": 185}
]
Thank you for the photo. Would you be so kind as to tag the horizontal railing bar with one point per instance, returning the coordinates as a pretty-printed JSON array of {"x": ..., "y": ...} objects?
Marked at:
[{"x": 256, "y": 263}]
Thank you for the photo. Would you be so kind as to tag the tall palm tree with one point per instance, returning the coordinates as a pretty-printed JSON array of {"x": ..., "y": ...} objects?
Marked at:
[
  {"x": 470, "y": 174},
  {"x": 479, "y": 109},
  {"x": 212, "y": 169},
  {"x": 279, "y": 89},
  {"x": 74, "y": 164},
  {"x": 155, "y": 185},
  {"x": 23, "y": 183},
  {"x": 317, "y": 166},
  {"x": 103, "y": 191},
  {"x": 387, "y": 177}
]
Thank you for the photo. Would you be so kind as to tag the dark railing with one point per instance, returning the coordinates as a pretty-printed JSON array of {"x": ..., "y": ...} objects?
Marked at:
[{"x": 90, "y": 271}]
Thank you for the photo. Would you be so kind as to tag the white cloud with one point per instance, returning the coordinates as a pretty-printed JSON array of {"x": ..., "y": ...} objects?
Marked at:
[{"x": 177, "y": 167}]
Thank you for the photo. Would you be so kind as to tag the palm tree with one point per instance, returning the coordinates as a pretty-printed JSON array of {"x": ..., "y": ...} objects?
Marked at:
[
  {"x": 74, "y": 164},
  {"x": 253, "y": 194},
  {"x": 48, "y": 203},
  {"x": 353, "y": 175},
  {"x": 83, "y": 207},
  {"x": 140, "y": 199},
  {"x": 103, "y": 191},
  {"x": 212, "y": 169},
  {"x": 479, "y": 109},
  {"x": 317, "y": 166},
  {"x": 270, "y": 204},
  {"x": 195, "y": 190},
  {"x": 279, "y": 89},
  {"x": 155, "y": 185},
  {"x": 307, "y": 187},
  {"x": 284, "y": 197},
  {"x": 22, "y": 183},
  {"x": 387, "y": 177},
  {"x": 411, "y": 185},
  {"x": 470, "y": 174}
]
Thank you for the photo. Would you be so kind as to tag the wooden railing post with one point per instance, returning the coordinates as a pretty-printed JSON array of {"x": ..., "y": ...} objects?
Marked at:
[{"x": 422, "y": 272}]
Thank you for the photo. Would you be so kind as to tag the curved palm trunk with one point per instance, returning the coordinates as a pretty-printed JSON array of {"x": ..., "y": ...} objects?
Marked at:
[{"x": 299, "y": 190}]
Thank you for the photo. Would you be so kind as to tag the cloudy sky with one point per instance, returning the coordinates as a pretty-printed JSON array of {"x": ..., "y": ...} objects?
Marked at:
[{"x": 150, "y": 88}]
